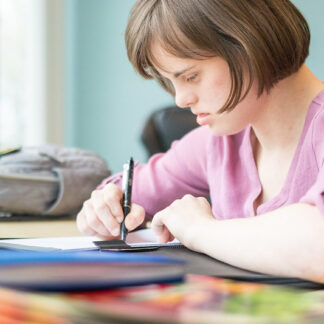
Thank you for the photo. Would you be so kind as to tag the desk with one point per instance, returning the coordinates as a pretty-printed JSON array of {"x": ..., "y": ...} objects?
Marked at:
[
  {"x": 37, "y": 228},
  {"x": 196, "y": 263},
  {"x": 199, "y": 300}
]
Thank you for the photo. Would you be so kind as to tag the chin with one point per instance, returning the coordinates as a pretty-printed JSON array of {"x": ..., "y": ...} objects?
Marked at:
[{"x": 223, "y": 131}]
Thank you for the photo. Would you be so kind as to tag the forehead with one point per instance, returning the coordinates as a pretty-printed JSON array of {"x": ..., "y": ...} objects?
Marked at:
[{"x": 165, "y": 62}]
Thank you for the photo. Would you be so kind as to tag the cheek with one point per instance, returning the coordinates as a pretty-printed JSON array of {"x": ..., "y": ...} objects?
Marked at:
[
  {"x": 216, "y": 90},
  {"x": 216, "y": 95}
]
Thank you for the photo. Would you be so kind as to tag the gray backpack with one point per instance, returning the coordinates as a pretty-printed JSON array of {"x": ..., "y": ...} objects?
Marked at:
[{"x": 48, "y": 180}]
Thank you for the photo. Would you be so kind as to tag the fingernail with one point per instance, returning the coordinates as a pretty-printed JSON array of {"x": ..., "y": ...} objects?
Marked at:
[{"x": 120, "y": 219}]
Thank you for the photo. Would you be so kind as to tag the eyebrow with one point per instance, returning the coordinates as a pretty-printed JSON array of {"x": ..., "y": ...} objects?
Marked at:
[{"x": 177, "y": 74}]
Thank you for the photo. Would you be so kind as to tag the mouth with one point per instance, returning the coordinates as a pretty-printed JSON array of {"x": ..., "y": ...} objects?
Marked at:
[{"x": 203, "y": 118}]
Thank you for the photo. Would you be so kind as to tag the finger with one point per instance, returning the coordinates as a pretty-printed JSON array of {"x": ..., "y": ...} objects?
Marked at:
[
  {"x": 171, "y": 237},
  {"x": 104, "y": 213},
  {"x": 112, "y": 196},
  {"x": 92, "y": 220},
  {"x": 82, "y": 224},
  {"x": 165, "y": 235},
  {"x": 205, "y": 202},
  {"x": 159, "y": 228},
  {"x": 135, "y": 218},
  {"x": 85, "y": 229},
  {"x": 111, "y": 224},
  {"x": 106, "y": 238},
  {"x": 157, "y": 223}
]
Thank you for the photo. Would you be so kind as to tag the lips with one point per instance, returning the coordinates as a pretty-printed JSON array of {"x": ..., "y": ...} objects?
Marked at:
[{"x": 203, "y": 119}]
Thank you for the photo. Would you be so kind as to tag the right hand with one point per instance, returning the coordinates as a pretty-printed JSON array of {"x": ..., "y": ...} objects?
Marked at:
[{"x": 102, "y": 214}]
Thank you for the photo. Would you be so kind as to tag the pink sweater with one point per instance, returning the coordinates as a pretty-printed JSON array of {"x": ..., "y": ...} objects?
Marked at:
[{"x": 223, "y": 168}]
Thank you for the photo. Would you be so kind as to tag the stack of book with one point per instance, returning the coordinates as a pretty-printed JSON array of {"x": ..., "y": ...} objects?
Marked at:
[{"x": 200, "y": 299}]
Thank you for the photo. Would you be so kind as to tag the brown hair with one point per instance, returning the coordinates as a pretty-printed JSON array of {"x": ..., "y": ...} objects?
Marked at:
[{"x": 267, "y": 39}]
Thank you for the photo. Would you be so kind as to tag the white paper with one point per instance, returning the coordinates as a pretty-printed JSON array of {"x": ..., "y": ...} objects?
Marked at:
[
  {"x": 145, "y": 237},
  {"x": 60, "y": 243}
]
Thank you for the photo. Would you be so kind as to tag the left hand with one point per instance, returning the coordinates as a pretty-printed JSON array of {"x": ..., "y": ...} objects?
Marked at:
[{"x": 185, "y": 219}]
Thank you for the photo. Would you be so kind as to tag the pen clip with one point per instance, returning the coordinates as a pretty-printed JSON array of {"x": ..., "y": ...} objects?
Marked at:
[{"x": 124, "y": 181}]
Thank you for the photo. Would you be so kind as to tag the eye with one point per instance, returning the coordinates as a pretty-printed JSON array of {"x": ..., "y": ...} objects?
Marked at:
[{"x": 192, "y": 77}]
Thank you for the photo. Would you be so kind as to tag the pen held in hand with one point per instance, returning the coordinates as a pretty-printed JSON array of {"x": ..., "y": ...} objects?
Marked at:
[{"x": 127, "y": 194}]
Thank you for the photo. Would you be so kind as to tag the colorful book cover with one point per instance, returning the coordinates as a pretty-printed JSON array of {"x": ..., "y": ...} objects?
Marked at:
[{"x": 200, "y": 299}]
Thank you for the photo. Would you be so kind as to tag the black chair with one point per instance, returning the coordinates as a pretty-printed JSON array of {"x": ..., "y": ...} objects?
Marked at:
[{"x": 164, "y": 126}]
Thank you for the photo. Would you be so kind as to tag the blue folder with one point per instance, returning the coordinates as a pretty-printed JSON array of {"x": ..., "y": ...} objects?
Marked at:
[{"x": 76, "y": 271}]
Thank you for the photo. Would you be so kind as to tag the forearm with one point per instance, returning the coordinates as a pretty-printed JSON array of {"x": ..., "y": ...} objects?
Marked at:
[{"x": 288, "y": 241}]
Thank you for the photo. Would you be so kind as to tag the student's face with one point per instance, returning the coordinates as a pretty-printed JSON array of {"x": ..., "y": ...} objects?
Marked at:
[{"x": 204, "y": 86}]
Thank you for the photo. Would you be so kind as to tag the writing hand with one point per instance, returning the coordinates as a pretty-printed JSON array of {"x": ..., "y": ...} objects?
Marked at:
[{"x": 102, "y": 214}]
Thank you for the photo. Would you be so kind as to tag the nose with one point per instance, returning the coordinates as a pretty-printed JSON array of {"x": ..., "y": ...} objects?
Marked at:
[{"x": 185, "y": 99}]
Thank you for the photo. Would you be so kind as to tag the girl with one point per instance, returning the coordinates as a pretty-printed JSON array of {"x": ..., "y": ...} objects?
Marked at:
[{"x": 239, "y": 65}]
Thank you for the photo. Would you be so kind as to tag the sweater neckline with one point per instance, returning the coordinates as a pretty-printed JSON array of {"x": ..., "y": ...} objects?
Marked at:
[{"x": 281, "y": 197}]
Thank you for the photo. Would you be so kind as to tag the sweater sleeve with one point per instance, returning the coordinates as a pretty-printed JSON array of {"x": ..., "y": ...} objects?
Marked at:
[
  {"x": 171, "y": 175},
  {"x": 315, "y": 194}
]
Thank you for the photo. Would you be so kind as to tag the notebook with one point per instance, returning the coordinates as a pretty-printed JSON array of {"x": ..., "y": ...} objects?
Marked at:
[
  {"x": 144, "y": 239},
  {"x": 71, "y": 271}
]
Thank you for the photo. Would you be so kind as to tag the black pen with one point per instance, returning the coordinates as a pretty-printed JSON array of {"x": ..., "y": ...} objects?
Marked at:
[{"x": 127, "y": 194}]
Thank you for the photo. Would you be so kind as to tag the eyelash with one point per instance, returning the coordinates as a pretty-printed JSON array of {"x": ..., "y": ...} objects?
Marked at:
[{"x": 192, "y": 78}]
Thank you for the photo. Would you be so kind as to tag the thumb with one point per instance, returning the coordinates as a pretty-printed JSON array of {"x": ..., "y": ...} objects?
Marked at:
[
  {"x": 160, "y": 229},
  {"x": 135, "y": 217}
]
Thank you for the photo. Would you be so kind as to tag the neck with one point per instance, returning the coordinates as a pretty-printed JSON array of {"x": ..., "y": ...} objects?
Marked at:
[{"x": 280, "y": 122}]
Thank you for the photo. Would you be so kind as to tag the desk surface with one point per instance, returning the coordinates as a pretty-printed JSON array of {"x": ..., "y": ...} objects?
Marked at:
[
  {"x": 196, "y": 263},
  {"x": 24, "y": 229},
  {"x": 206, "y": 313}
]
